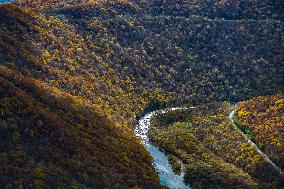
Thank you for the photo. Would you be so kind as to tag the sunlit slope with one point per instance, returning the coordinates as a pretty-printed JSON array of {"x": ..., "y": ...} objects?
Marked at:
[
  {"x": 52, "y": 51},
  {"x": 263, "y": 119},
  {"x": 96, "y": 66},
  {"x": 172, "y": 59},
  {"x": 215, "y": 152},
  {"x": 51, "y": 136}
]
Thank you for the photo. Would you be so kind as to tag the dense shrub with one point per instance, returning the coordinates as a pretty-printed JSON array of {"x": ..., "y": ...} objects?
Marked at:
[
  {"x": 50, "y": 138},
  {"x": 263, "y": 116},
  {"x": 215, "y": 153},
  {"x": 90, "y": 68}
]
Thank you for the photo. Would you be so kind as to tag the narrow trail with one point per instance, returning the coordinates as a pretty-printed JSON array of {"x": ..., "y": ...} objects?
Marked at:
[
  {"x": 265, "y": 157},
  {"x": 160, "y": 160}
]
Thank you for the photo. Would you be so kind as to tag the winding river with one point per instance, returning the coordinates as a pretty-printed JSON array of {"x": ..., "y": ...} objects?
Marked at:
[
  {"x": 6, "y": 1},
  {"x": 160, "y": 160},
  {"x": 161, "y": 163}
]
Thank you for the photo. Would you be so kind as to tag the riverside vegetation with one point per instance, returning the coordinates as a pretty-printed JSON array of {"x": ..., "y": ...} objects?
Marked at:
[
  {"x": 262, "y": 118},
  {"x": 215, "y": 153},
  {"x": 75, "y": 75}
]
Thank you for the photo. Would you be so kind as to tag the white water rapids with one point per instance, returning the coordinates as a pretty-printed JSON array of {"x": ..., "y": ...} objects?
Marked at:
[
  {"x": 161, "y": 163},
  {"x": 6, "y": 1}
]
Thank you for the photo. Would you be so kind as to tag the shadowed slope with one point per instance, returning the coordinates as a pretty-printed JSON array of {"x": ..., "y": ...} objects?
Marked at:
[
  {"x": 94, "y": 67},
  {"x": 64, "y": 140},
  {"x": 67, "y": 139}
]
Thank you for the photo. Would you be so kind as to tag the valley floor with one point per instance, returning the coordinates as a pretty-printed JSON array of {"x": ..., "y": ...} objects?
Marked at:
[{"x": 216, "y": 153}]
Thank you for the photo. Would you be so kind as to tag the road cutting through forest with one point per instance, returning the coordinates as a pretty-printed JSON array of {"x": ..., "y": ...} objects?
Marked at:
[{"x": 160, "y": 159}]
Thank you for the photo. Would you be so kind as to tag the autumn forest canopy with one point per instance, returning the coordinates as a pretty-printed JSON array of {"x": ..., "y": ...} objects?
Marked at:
[{"x": 76, "y": 75}]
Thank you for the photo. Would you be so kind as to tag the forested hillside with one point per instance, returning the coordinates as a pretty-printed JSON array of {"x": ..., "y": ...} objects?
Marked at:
[
  {"x": 182, "y": 58},
  {"x": 215, "y": 152},
  {"x": 262, "y": 118},
  {"x": 76, "y": 74},
  {"x": 56, "y": 111},
  {"x": 227, "y": 9},
  {"x": 188, "y": 58}
]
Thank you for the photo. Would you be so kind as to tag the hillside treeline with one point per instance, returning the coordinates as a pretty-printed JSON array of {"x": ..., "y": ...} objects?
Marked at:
[{"x": 94, "y": 66}]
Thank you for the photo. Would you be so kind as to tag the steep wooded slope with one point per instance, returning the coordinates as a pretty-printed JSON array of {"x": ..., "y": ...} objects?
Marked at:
[
  {"x": 262, "y": 118},
  {"x": 190, "y": 59},
  {"x": 214, "y": 151},
  {"x": 227, "y": 9},
  {"x": 116, "y": 58},
  {"x": 52, "y": 139},
  {"x": 50, "y": 136}
]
